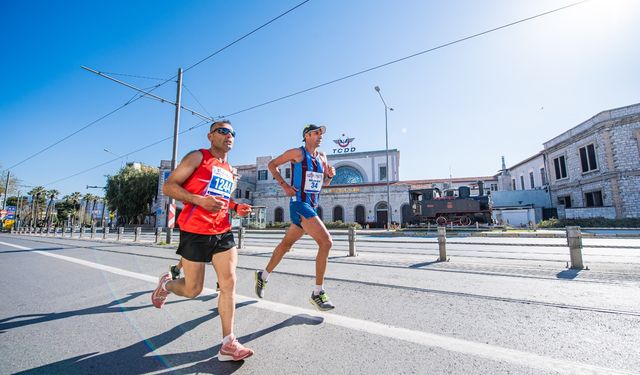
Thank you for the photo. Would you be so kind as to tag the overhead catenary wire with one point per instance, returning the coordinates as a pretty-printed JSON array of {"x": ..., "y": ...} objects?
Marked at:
[
  {"x": 159, "y": 85},
  {"x": 404, "y": 58},
  {"x": 371, "y": 69}
]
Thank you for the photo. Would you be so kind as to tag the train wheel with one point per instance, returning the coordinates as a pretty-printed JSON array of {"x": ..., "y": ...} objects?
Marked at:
[
  {"x": 441, "y": 220},
  {"x": 465, "y": 220}
]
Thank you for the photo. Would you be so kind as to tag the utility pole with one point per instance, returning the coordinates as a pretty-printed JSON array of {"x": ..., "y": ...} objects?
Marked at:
[
  {"x": 6, "y": 188},
  {"x": 171, "y": 210}
]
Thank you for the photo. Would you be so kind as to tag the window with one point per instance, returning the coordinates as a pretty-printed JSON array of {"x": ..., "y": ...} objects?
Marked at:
[
  {"x": 522, "y": 182},
  {"x": 347, "y": 175},
  {"x": 560, "y": 167},
  {"x": 588, "y": 158},
  {"x": 238, "y": 193},
  {"x": 383, "y": 172},
  {"x": 247, "y": 194},
  {"x": 494, "y": 187},
  {"x": 287, "y": 173},
  {"x": 278, "y": 215},
  {"x": 513, "y": 184},
  {"x": 533, "y": 185},
  {"x": 262, "y": 175},
  {"x": 593, "y": 199},
  {"x": 566, "y": 200},
  {"x": 543, "y": 176}
]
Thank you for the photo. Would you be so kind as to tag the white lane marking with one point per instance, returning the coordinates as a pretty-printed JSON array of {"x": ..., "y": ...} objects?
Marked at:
[{"x": 492, "y": 352}]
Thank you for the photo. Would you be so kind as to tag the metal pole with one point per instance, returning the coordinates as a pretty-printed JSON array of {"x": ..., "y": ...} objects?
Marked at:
[
  {"x": 6, "y": 189},
  {"x": 241, "y": 235},
  {"x": 386, "y": 142},
  {"x": 176, "y": 127},
  {"x": 136, "y": 234},
  {"x": 442, "y": 243}
]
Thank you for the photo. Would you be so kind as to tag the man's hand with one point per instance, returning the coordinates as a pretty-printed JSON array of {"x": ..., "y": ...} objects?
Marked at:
[
  {"x": 243, "y": 209},
  {"x": 288, "y": 189},
  {"x": 331, "y": 171},
  {"x": 211, "y": 203}
]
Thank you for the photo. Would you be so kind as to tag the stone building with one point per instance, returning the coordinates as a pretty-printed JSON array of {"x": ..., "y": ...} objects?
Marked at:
[{"x": 594, "y": 167}]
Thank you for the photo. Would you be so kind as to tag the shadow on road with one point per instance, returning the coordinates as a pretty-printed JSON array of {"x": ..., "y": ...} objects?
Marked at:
[
  {"x": 114, "y": 306},
  {"x": 568, "y": 274},
  {"x": 139, "y": 358}
]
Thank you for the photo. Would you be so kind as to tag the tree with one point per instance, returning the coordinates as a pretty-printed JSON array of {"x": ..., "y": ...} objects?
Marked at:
[
  {"x": 87, "y": 198},
  {"x": 68, "y": 208},
  {"x": 13, "y": 184},
  {"x": 37, "y": 203},
  {"x": 131, "y": 192},
  {"x": 52, "y": 194}
]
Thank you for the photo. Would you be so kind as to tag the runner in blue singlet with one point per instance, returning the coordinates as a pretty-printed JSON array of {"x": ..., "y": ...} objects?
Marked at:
[{"x": 310, "y": 172}]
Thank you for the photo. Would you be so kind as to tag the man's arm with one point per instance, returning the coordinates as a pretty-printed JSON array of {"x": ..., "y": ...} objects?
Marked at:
[
  {"x": 173, "y": 186},
  {"x": 329, "y": 171},
  {"x": 292, "y": 155}
]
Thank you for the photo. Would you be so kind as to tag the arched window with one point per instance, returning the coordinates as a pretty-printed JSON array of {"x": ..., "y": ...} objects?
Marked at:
[
  {"x": 360, "y": 215},
  {"x": 319, "y": 211},
  {"x": 338, "y": 213},
  {"x": 278, "y": 215},
  {"x": 346, "y": 175}
]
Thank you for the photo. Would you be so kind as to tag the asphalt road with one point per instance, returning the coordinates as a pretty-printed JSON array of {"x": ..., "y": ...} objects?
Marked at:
[{"x": 79, "y": 306}]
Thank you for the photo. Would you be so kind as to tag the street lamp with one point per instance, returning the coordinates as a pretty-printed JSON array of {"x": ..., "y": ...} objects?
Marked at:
[
  {"x": 113, "y": 153},
  {"x": 386, "y": 141}
]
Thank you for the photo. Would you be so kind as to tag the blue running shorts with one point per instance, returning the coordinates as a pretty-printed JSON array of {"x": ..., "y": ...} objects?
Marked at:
[{"x": 296, "y": 209}]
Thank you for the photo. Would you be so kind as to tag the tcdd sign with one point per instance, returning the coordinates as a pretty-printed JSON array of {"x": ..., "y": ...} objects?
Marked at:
[{"x": 343, "y": 145}]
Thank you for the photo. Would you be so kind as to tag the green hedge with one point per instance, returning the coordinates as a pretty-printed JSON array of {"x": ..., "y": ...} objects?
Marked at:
[
  {"x": 328, "y": 224},
  {"x": 596, "y": 222}
]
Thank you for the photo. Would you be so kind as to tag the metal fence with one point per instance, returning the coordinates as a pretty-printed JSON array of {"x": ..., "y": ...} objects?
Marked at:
[{"x": 345, "y": 240}]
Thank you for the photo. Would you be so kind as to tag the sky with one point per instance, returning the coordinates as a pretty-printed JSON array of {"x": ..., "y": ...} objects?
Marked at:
[{"x": 457, "y": 109}]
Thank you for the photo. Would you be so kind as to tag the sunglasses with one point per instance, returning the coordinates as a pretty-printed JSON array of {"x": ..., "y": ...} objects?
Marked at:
[{"x": 224, "y": 131}]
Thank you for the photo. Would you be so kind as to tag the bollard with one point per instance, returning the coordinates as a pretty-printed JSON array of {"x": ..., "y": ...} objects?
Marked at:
[
  {"x": 71, "y": 228},
  {"x": 81, "y": 230},
  {"x": 352, "y": 241},
  {"x": 477, "y": 226},
  {"x": 136, "y": 234},
  {"x": 241, "y": 235},
  {"x": 105, "y": 232},
  {"x": 158, "y": 234},
  {"x": 428, "y": 226},
  {"x": 442, "y": 243},
  {"x": 93, "y": 231},
  {"x": 574, "y": 240},
  {"x": 120, "y": 233},
  {"x": 169, "y": 238}
]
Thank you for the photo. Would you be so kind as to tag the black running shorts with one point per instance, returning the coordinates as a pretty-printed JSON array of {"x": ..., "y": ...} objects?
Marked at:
[{"x": 201, "y": 247}]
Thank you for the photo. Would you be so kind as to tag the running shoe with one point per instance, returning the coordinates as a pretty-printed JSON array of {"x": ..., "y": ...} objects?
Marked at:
[
  {"x": 261, "y": 285},
  {"x": 233, "y": 351},
  {"x": 175, "y": 272},
  {"x": 321, "y": 301},
  {"x": 160, "y": 294}
]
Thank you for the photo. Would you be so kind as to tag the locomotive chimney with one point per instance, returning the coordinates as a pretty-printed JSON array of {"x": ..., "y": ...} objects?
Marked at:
[{"x": 480, "y": 188}]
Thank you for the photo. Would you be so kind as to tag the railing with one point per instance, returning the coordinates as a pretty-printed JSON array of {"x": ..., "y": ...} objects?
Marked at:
[{"x": 346, "y": 239}]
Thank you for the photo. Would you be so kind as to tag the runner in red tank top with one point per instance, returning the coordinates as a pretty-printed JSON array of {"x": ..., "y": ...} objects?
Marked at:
[{"x": 204, "y": 181}]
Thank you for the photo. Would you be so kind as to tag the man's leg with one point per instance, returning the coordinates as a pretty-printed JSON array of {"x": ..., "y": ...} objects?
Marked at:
[
  {"x": 191, "y": 284},
  {"x": 316, "y": 229},
  {"x": 294, "y": 233},
  {"x": 225, "y": 265}
]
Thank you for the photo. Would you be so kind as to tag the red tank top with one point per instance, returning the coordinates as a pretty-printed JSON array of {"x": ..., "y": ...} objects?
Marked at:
[{"x": 212, "y": 177}]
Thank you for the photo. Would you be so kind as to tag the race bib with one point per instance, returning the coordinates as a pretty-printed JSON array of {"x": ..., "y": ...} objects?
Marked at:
[
  {"x": 221, "y": 183},
  {"x": 313, "y": 182}
]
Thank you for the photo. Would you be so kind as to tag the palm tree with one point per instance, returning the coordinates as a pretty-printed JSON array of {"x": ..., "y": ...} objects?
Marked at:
[
  {"x": 52, "y": 194},
  {"x": 36, "y": 193},
  {"x": 74, "y": 199},
  {"x": 88, "y": 197}
]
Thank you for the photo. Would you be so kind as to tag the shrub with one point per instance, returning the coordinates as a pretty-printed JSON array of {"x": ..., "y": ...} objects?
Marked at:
[{"x": 596, "y": 222}]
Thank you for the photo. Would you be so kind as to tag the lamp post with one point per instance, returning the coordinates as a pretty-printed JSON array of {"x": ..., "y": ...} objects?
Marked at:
[
  {"x": 386, "y": 141},
  {"x": 113, "y": 153}
]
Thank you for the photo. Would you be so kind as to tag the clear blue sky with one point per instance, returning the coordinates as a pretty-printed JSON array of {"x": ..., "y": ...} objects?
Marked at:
[{"x": 458, "y": 108}]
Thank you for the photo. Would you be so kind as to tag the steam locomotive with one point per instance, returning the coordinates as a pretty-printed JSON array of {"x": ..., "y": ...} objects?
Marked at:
[{"x": 449, "y": 206}]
